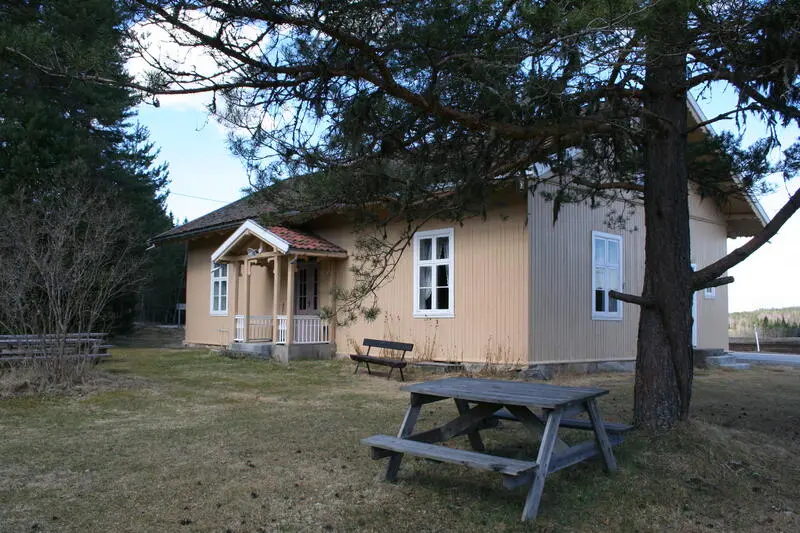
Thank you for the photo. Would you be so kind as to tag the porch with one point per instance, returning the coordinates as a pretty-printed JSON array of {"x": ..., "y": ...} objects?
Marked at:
[
  {"x": 308, "y": 329},
  {"x": 279, "y": 280}
]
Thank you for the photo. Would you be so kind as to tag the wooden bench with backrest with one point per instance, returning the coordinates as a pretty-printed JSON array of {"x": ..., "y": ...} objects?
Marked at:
[{"x": 392, "y": 363}]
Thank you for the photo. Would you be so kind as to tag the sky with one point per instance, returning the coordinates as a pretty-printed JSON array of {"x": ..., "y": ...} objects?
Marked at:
[{"x": 205, "y": 176}]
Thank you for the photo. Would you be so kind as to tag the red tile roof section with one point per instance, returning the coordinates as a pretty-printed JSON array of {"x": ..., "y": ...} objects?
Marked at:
[{"x": 300, "y": 240}]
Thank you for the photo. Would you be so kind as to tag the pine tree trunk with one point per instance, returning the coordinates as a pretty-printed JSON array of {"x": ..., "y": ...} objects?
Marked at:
[{"x": 664, "y": 363}]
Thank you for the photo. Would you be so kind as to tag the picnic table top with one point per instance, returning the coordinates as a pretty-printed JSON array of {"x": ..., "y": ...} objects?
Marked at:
[{"x": 521, "y": 393}]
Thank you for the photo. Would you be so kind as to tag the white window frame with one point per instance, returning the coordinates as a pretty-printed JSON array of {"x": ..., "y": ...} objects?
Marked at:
[
  {"x": 219, "y": 279},
  {"x": 433, "y": 262},
  {"x": 710, "y": 293},
  {"x": 607, "y": 315}
]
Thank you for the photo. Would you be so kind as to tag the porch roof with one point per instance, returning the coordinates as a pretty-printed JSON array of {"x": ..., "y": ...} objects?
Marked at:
[{"x": 284, "y": 240}]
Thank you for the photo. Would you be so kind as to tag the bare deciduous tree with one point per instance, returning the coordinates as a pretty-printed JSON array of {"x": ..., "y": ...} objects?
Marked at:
[{"x": 66, "y": 255}]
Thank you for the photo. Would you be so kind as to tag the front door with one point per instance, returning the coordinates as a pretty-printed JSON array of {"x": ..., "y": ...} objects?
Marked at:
[{"x": 306, "y": 288}]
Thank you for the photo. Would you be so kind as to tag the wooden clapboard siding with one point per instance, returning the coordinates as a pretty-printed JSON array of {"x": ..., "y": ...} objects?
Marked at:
[
  {"x": 562, "y": 328},
  {"x": 708, "y": 245},
  {"x": 490, "y": 293},
  {"x": 201, "y": 327}
]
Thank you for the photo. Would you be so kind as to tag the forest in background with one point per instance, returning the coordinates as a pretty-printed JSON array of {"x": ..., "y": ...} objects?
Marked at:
[{"x": 783, "y": 322}]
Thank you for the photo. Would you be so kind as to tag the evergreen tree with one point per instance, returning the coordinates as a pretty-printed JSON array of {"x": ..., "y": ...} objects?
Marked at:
[{"x": 61, "y": 133}]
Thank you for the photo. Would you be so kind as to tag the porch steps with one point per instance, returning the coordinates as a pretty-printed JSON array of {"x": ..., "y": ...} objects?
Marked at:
[{"x": 726, "y": 361}]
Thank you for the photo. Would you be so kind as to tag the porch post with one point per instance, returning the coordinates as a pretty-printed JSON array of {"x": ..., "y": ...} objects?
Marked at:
[
  {"x": 233, "y": 268},
  {"x": 246, "y": 300},
  {"x": 290, "y": 267},
  {"x": 331, "y": 287},
  {"x": 276, "y": 290}
]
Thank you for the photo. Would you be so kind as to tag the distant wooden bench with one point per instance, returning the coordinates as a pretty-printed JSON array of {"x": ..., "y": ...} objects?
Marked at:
[
  {"x": 20, "y": 348},
  {"x": 398, "y": 363},
  {"x": 18, "y": 359}
]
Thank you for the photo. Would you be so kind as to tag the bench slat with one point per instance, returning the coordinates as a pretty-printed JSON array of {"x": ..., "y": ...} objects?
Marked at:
[
  {"x": 389, "y": 345},
  {"x": 571, "y": 423},
  {"x": 397, "y": 363},
  {"x": 481, "y": 461}
]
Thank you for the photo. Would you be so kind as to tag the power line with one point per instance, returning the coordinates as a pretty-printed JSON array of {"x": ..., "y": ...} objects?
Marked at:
[{"x": 198, "y": 197}]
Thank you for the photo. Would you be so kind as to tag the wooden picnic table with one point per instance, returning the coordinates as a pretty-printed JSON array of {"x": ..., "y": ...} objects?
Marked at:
[{"x": 480, "y": 403}]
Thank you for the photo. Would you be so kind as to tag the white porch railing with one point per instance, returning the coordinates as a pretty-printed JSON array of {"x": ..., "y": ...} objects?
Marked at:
[
  {"x": 308, "y": 329},
  {"x": 259, "y": 329}
]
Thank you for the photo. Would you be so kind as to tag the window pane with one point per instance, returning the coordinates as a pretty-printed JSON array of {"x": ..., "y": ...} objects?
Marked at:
[
  {"x": 223, "y": 303},
  {"x": 215, "y": 306},
  {"x": 223, "y": 270},
  {"x": 425, "y": 249},
  {"x": 612, "y": 279},
  {"x": 425, "y": 277},
  {"x": 442, "y": 247},
  {"x": 613, "y": 305},
  {"x": 223, "y": 288},
  {"x": 613, "y": 253},
  {"x": 442, "y": 298},
  {"x": 599, "y": 300},
  {"x": 442, "y": 276},
  {"x": 425, "y": 299},
  {"x": 599, "y": 252},
  {"x": 599, "y": 278}
]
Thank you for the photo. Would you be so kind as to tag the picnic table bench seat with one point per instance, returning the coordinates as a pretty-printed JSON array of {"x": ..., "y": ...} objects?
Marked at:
[
  {"x": 570, "y": 423},
  {"x": 435, "y": 452},
  {"x": 392, "y": 363}
]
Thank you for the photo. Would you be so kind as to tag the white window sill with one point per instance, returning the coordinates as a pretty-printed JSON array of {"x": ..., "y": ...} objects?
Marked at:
[
  {"x": 613, "y": 318},
  {"x": 435, "y": 314},
  {"x": 219, "y": 313}
]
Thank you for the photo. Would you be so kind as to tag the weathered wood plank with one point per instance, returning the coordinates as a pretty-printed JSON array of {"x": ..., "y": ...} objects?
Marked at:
[
  {"x": 506, "y": 392},
  {"x": 406, "y": 427},
  {"x": 477, "y": 460},
  {"x": 534, "y": 496},
  {"x": 601, "y": 436},
  {"x": 533, "y": 424},
  {"x": 571, "y": 423},
  {"x": 473, "y": 436},
  {"x": 458, "y": 426},
  {"x": 579, "y": 453},
  {"x": 389, "y": 345}
]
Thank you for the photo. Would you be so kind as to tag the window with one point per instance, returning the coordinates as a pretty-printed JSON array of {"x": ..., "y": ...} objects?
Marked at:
[
  {"x": 709, "y": 293},
  {"x": 219, "y": 289},
  {"x": 433, "y": 273},
  {"x": 606, "y": 275}
]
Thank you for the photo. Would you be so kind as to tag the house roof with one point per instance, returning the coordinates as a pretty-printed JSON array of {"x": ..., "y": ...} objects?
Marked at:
[
  {"x": 285, "y": 240},
  {"x": 226, "y": 217},
  {"x": 304, "y": 241}
]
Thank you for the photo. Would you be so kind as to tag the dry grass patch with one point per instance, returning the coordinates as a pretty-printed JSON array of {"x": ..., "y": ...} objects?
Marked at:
[{"x": 214, "y": 445}]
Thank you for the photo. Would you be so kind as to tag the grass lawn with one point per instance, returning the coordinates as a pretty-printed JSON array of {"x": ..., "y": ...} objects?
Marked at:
[{"x": 180, "y": 440}]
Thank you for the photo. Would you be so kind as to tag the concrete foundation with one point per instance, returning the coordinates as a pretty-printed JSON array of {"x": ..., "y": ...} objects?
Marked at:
[
  {"x": 546, "y": 372},
  {"x": 302, "y": 352},
  {"x": 282, "y": 352}
]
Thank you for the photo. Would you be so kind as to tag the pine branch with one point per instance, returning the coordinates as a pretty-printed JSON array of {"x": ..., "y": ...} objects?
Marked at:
[{"x": 702, "y": 278}]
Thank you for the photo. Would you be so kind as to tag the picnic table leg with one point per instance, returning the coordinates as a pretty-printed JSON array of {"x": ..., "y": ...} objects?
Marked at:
[
  {"x": 601, "y": 436},
  {"x": 533, "y": 424},
  {"x": 474, "y": 437},
  {"x": 406, "y": 428},
  {"x": 549, "y": 438}
]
